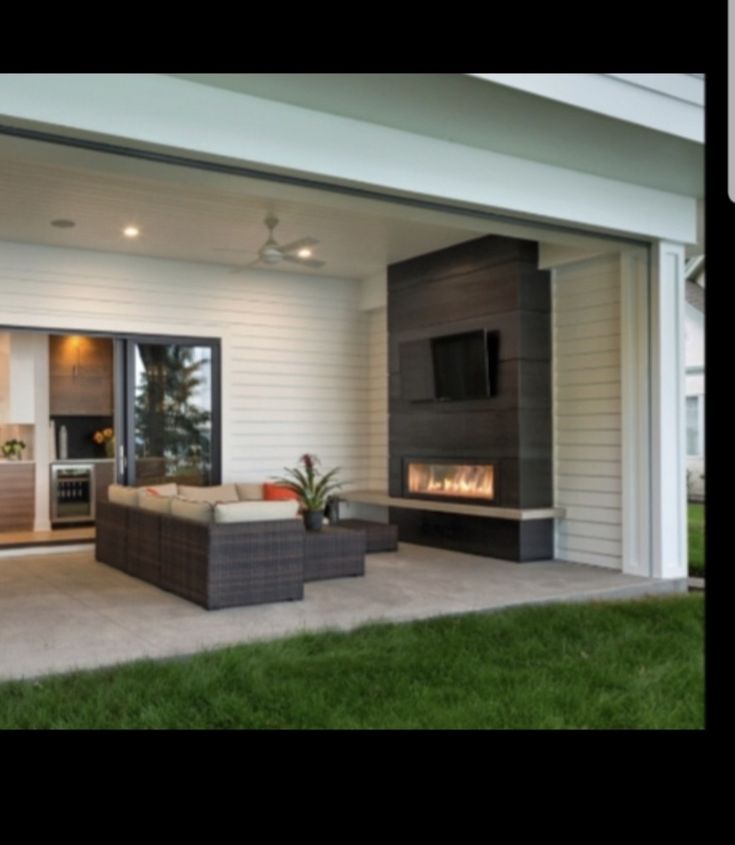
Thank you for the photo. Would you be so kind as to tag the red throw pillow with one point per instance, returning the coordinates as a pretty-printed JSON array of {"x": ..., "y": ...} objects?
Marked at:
[{"x": 275, "y": 492}]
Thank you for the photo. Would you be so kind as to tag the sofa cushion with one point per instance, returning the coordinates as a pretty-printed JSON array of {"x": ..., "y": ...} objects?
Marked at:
[
  {"x": 187, "y": 509},
  {"x": 154, "y": 502},
  {"x": 220, "y": 493},
  {"x": 277, "y": 492},
  {"x": 120, "y": 495},
  {"x": 256, "y": 511},
  {"x": 159, "y": 490},
  {"x": 250, "y": 492}
]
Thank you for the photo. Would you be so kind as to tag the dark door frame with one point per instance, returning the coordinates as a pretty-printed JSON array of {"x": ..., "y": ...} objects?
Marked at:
[{"x": 125, "y": 377}]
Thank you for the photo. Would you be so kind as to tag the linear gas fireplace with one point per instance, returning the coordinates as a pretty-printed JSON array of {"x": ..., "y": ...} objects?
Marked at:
[{"x": 450, "y": 480}]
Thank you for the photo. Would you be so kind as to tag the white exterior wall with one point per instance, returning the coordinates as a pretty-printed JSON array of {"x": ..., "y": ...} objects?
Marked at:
[
  {"x": 587, "y": 411},
  {"x": 694, "y": 358},
  {"x": 378, "y": 396},
  {"x": 694, "y": 350},
  {"x": 296, "y": 350}
]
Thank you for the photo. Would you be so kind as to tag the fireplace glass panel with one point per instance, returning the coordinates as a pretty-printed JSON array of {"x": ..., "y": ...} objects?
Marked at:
[{"x": 464, "y": 481}]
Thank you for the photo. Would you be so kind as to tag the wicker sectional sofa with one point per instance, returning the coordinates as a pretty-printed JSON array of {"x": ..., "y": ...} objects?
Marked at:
[
  {"x": 213, "y": 565},
  {"x": 221, "y": 546}
]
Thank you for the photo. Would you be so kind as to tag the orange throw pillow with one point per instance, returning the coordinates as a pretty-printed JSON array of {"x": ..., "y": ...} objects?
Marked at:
[{"x": 275, "y": 492}]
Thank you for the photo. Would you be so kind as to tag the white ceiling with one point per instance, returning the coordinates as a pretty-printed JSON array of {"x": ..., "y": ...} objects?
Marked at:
[{"x": 192, "y": 215}]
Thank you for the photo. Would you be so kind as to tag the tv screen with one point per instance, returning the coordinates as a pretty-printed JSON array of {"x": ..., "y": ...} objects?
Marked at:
[{"x": 461, "y": 366}]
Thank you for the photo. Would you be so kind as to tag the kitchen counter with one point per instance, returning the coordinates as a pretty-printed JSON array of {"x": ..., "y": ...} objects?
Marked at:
[
  {"x": 86, "y": 461},
  {"x": 6, "y": 462}
]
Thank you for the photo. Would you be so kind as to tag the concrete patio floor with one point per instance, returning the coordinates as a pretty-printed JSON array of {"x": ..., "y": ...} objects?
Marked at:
[{"x": 64, "y": 611}]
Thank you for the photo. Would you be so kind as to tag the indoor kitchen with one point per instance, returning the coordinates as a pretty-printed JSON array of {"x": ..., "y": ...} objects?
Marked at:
[
  {"x": 57, "y": 435},
  {"x": 66, "y": 403}
]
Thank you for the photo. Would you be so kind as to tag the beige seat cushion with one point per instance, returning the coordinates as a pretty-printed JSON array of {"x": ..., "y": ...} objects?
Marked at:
[
  {"x": 221, "y": 493},
  {"x": 256, "y": 511},
  {"x": 186, "y": 509},
  {"x": 156, "y": 503},
  {"x": 120, "y": 495},
  {"x": 250, "y": 492}
]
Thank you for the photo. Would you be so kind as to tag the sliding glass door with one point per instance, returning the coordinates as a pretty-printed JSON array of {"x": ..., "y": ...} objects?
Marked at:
[{"x": 171, "y": 414}]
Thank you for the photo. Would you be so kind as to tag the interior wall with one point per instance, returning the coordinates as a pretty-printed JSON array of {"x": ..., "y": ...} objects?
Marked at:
[
  {"x": 296, "y": 349},
  {"x": 587, "y": 411}
]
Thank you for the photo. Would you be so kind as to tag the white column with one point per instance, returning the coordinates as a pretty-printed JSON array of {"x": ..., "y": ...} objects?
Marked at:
[
  {"x": 668, "y": 452},
  {"x": 636, "y": 412}
]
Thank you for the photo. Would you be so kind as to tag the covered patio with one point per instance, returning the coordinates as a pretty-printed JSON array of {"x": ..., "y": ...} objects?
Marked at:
[{"x": 65, "y": 611}]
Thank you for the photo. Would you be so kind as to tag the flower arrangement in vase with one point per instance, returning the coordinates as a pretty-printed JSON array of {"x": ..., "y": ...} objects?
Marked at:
[{"x": 105, "y": 437}]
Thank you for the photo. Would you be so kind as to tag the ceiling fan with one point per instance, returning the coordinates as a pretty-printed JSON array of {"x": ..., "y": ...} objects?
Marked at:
[{"x": 297, "y": 252}]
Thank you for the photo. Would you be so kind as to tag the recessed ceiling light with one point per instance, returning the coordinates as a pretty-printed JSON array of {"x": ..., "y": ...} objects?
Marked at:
[
  {"x": 63, "y": 224},
  {"x": 131, "y": 231},
  {"x": 304, "y": 253}
]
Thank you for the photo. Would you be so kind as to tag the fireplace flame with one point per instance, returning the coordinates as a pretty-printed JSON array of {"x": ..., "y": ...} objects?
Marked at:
[{"x": 471, "y": 481}]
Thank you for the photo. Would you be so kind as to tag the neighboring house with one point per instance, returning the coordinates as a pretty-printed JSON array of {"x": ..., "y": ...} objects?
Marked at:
[
  {"x": 551, "y": 211},
  {"x": 695, "y": 381}
]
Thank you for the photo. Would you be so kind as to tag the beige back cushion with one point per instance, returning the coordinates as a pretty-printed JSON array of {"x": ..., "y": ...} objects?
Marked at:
[
  {"x": 198, "y": 511},
  {"x": 152, "y": 502},
  {"x": 222, "y": 493},
  {"x": 256, "y": 511},
  {"x": 158, "y": 490},
  {"x": 250, "y": 492},
  {"x": 120, "y": 495}
]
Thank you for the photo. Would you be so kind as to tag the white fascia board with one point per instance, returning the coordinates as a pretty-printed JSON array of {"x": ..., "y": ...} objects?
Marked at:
[
  {"x": 616, "y": 96},
  {"x": 156, "y": 111},
  {"x": 679, "y": 86}
]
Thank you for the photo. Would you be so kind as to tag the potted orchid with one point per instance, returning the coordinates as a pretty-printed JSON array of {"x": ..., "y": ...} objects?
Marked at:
[{"x": 312, "y": 488}]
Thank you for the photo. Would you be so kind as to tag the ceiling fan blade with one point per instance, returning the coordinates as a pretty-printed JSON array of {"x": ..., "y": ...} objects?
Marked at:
[
  {"x": 245, "y": 267},
  {"x": 300, "y": 244},
  {"x": 304, "y": 262},
  {"x": 227, "y": 249}
]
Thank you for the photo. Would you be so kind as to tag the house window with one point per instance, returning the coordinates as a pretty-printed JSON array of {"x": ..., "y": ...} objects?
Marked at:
[{"x": 695, "y": 425}]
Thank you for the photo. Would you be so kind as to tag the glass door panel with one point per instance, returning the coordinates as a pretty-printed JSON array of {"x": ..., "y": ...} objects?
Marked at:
[{"x": 172, "y": 412}]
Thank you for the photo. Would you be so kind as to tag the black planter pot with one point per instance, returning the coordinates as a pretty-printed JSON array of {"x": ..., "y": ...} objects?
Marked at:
[{"x": 313, "y": 520}]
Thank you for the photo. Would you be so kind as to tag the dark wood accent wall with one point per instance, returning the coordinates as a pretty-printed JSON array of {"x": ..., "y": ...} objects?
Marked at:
[
  {"x": 491, "y": 283},
  {"x": 80, "y": 375},
  {"x": 17, "y": 496}
]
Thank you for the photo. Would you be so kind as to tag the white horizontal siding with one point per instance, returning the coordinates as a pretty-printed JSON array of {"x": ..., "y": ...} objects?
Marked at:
[
  {"x": 587, "y": 411},
  {"x": 378, "y": 399},
  {"x": 297, "y": 351}
]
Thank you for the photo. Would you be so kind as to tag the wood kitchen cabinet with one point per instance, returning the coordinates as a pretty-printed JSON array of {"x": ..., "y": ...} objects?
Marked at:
[
  {"x": 80, "y": 376},
  {"x": 17, "y": 495}
]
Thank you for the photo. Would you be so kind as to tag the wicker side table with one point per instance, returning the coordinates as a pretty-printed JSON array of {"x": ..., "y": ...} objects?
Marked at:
[
  {"x": 333, "y": 552},
  {"x": 381, "y": 537}
]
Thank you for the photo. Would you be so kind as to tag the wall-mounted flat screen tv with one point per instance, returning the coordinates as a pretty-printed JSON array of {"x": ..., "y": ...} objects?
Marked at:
[{"x": 465, "y": 365}]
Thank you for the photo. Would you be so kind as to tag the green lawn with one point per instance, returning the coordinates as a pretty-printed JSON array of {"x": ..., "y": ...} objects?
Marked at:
[
  {"x": 636, "y": 664},
  {"x": 696, "y": 539}
]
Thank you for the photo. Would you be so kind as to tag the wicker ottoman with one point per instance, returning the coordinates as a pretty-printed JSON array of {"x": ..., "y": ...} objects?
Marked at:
[
  {"x": 333, "y": 553},
  {"x": 380, "y": 536}
]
